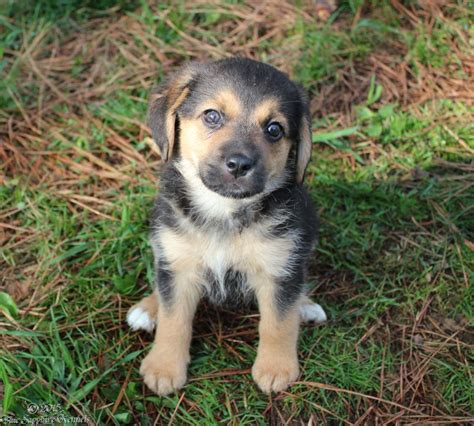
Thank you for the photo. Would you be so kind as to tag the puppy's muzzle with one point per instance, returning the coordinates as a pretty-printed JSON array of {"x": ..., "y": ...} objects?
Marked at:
[
  {"x": 235, "y": 172},
  {"x": 239, "y": 165}
]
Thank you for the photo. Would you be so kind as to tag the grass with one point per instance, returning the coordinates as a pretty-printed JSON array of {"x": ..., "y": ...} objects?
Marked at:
[{"x": 392, "y": 176}]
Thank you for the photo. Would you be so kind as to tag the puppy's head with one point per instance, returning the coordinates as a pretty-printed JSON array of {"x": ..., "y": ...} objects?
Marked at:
[{"x": 242, "y": 127}]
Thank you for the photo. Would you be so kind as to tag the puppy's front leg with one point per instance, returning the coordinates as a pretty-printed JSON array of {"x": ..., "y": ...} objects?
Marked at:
[
  {"x": 164, "y": 368},
  {"x": 276, "y": 364}
]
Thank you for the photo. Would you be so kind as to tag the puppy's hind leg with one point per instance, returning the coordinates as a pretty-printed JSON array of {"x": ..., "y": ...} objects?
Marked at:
[
  {"x": 144, "y": 314},
  {"x": 310, "y": 311}
]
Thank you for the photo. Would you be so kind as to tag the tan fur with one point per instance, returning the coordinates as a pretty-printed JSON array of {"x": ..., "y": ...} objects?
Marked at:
[
  {"x": 268, "y": 111},
  {"x": 148, "y": 304},
  {"x": 250, "y": 251},
  {"x": 304, "y": 149},
  {"x": 223, "y": 239},
  {"x": 276, "y": 157},
  {"x": 164, "y": 369},
  {"x": 173, "y": 96},
  {"x": 171, "y": 118},
  {"x": 179, "y": 83},
  {"x": 276, "y": 364},
  {"x": 197, "y": 143},
  {"x": 226, "y": 102}
]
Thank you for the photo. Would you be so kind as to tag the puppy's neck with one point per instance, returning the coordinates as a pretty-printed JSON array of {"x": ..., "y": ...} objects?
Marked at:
[{"x": 211, "y": 208}]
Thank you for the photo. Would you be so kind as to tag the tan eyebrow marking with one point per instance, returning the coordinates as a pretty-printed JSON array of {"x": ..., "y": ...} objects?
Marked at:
[
  {"x": 267, "y": 110},
  {"x": 225, "y": 101}
]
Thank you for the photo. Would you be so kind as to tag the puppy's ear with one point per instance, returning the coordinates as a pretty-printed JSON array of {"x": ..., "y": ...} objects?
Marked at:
[
  {"x": 305, "y": 142},
  {"x": 164, "y": 102}
]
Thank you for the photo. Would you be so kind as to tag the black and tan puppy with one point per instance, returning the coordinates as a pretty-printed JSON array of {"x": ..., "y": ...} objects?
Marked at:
[{"x": 232, "y": 221}]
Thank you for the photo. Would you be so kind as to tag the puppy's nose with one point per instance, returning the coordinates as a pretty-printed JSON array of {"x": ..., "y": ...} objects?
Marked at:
[{"x": 239, "y": 164}]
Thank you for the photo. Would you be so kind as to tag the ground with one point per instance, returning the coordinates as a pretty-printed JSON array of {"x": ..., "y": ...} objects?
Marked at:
[{"x": 392, "y": 92}]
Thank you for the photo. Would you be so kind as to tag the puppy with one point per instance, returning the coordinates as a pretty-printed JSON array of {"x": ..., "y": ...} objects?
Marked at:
[{"x": 232, "y": 221}]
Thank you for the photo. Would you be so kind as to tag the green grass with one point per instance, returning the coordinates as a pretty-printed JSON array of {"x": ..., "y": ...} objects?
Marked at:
[{"x": 392, "y": 178}]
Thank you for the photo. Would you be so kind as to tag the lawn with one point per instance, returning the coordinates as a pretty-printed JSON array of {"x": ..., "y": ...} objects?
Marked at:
[{"x": 392, "y": 176}]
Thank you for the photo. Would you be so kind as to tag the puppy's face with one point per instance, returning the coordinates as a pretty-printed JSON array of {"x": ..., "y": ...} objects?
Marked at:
[
  {"x": 241, "y": 126},
  {"x": 238, "y": 148}
]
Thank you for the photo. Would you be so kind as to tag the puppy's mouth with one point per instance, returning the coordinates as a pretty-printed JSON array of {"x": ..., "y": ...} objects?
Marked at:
[{"x": 225, "y": 184}]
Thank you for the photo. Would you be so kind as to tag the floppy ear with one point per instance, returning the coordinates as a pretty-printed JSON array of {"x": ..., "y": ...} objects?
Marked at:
[
  {"x": 305, "y": 142},
  {"x": 164, "y": 102}
]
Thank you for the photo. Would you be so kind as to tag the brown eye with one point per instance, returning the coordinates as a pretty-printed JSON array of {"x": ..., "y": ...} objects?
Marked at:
[
  {"x": 274, "y": 131},
  {"x": 212, "y": 118}
]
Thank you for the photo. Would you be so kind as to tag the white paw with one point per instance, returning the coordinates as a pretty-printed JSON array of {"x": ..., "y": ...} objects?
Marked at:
[
  {"x": 312, "y": 312},
  {"x": 139, "y": 319}
]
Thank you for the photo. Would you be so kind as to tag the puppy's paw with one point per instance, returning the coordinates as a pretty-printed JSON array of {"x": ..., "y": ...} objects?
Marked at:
[
  {"x": 162, "y": 374},
  {"x": 139, "y": 318},
  {"x": 274, "y": 373},
  {"x": 312, "y": 312}
]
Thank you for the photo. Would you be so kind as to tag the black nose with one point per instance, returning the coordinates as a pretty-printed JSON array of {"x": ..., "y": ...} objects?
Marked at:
[{"x": 239, "y": 165}]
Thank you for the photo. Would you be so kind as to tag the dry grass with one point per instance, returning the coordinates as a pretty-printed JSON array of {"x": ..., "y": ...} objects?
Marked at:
[{"x": 66, "y": 85}]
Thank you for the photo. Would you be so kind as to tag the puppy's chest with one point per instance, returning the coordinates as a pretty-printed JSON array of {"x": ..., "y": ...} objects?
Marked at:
[{"x": 229, "y": 257}]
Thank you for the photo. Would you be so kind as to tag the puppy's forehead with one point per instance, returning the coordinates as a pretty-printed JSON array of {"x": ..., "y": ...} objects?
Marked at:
[
  {"x": 246, "y": 86},
  {"x": 234, "y": 105},
  {"x": 224, "y": 99}
]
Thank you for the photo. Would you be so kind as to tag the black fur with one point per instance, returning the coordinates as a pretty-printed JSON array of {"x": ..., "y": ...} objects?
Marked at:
[
  {"x": 164, "y": 280},
  {"x": 252, "y": 81},
  {"x": 236, "y": 292},
  {"x": 294, "y": 198}
]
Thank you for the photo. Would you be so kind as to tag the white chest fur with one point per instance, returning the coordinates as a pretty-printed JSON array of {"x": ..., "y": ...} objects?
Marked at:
[{"x": 253, "y": 251}]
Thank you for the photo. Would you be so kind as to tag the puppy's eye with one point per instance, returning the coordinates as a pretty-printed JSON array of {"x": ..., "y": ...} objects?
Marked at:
[
  {"x": 212, "y": 118},
  {"x": 274, "y": 131}
]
